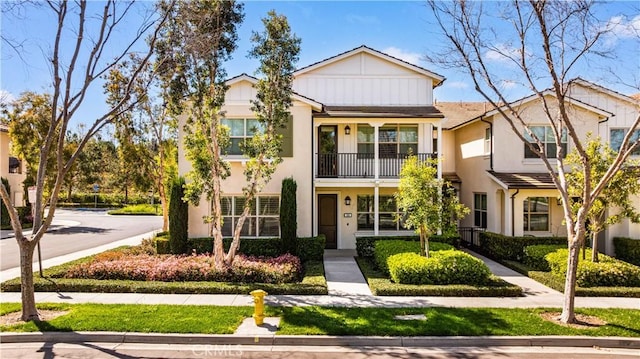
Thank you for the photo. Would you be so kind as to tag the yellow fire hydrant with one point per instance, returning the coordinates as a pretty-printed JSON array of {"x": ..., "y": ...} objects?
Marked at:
[{"x": 258, "y": 310}]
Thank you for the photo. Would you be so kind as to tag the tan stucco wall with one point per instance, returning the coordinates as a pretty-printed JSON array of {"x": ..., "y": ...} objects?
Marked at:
[
  {"x": 15, "y": 179},
  {"x": 290, "y": 167}
]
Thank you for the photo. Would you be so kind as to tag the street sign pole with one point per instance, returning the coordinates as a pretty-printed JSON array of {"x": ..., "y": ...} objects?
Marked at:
[
  {"x": 32, "y": 199},
  {"x": 96, "y": 188}
]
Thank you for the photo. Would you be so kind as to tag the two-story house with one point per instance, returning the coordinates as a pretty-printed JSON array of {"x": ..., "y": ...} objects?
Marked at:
[
  {"x": 11, "y": 168},
  {"x": 505, "y": 185},
  {"x": 355, "y": 117}
]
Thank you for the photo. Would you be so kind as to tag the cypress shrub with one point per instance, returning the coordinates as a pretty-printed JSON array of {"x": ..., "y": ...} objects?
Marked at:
[
  {"x": 627, "y": 249},
  {"x": 178, "y": 218},
  {"x": 288, "y": 216},
  {"x": 4, "y": 212}
]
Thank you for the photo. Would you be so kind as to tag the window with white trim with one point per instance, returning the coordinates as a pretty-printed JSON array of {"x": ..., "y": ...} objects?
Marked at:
[
  {"x": 263, "y": 219},
  {"x": 240, "y": 129},
  {"x": 546, "y": 136},
  {"x": 616, "y": 135},
  {"x": 536, "y": 214},
  {"x": 480, "y": 210},
  {"x": 394, "y": 141},
  {"x": 487, "y": 141},
  {"x": 387, "y": 213}
]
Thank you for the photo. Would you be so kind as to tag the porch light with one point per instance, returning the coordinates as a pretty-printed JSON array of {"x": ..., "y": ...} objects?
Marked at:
[
  {"x": 347, "y": 201},
  {"x": 347, "y": 130}
]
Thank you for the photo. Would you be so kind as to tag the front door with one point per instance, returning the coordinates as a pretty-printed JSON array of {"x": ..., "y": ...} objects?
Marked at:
[
  {"x": 328, "y": 219},
  {"x": 327, "y": 151}
]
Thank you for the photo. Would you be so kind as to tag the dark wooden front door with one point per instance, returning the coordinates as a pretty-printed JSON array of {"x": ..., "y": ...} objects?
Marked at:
[{"x": 328, "y": 219}]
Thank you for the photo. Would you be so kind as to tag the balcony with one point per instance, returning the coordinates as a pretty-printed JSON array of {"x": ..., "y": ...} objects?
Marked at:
[{"x": 362, "y": 165}]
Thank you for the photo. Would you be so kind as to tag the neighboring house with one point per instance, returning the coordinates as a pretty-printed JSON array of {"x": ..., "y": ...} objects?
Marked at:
[
  {"x": 11, "y": 168},
  {"x": 355, "y": 116},
  {"x": 505, "y": 185}
]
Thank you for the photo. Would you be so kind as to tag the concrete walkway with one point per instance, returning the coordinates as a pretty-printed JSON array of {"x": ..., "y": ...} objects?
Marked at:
[{"x": 343, "y": 274}]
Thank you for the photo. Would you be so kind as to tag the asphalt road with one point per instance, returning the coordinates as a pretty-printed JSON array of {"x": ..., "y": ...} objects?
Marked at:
[
  {"x": 95, "y": 228},
  {"x": 158, "y": 350}
]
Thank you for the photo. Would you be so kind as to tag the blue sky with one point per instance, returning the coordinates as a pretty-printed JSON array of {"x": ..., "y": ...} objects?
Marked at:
[{"x": 400, "y": 28}]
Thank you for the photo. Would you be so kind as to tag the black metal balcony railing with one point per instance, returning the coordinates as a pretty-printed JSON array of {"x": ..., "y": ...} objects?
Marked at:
[{"x": 361, "y": 165}]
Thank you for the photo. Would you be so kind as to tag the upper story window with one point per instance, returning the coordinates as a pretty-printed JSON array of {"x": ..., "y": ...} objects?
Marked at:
[
  {"x": 393, "y": 140},
  {"x": 242, "y": 129},
  {"x": 15, "y": 165},
  {"x": 546, "y": 136},
  {"x": 616, "y": 136},
  {"x": 487, "y": 141}
]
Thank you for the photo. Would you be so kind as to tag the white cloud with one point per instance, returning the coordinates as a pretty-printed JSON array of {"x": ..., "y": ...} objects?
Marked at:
[
  {"x": 457, "y": 84},
  {"x": 410, "y": 57},
  {"x": 623, "y": 28},
  {"x": 6, "y": 97},
  {"x": 502, "y": 53},
  {"x": 362, "y": 19}
]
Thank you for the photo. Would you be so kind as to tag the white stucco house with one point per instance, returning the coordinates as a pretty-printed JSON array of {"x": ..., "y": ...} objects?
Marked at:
[{"x": 356, "y": 115}]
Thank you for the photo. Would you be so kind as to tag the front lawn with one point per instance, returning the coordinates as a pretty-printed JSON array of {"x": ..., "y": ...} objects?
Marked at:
[
  {"x": 380, "y": 284},
  {"x": 323, "y": 321}
]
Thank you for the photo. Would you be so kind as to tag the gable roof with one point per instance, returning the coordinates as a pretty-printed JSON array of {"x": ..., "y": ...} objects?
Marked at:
[
  {"x": 534, "y": 97},
  {"x": 296, "y": 96},
  {"x": 635, "y": 99},
  {"x": 438, "y": 79}
]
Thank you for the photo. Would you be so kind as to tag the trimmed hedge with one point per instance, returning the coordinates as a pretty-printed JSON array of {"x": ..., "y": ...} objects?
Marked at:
[
  {"x": 365, "y": 245},
  {"x": 609, "y": 272},
  {"x": 309, "y": 248},
  {"x": 387, "y": 248},
  {"x": 443, "y": 267},
  {"x": 534, "y": 255},
  {"x": 627, "y": 249},
  {"x": 557, "y": 283},
  {"x": 502, "y": 247},
  {"x": 381, "y": 285}
]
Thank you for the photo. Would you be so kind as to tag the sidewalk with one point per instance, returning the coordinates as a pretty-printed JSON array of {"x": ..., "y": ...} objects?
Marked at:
[{"x": 346, "y": 289}]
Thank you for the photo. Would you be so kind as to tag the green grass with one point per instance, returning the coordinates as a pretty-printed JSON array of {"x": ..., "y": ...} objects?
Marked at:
[
  {"x": 136, "y": 318},
  {"x": 313, "y": 283},
  {"x": 447, "y": 321},
  {"x": 322, "y": 321},
  {"x": 138, "y": 209},
  {"x": 380, "y": 284}
]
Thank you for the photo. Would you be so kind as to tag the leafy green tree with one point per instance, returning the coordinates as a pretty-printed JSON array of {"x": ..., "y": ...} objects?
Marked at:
[
  {"x": 428, "y": 203},
  {"x": 615, "y": 196},
  {"x": 277, "y": 49},
  {"x": 76, "y": 55},
  {"x": 288, "y": 215}
]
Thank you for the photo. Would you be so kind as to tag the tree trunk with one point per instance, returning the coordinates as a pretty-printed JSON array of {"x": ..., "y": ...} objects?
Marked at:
[
  {"x": 29, "y": 311},
  {"x": 165, "y": 207},
  {"x": 594, "y": 247},
  {"x": 69, "y": 190},
  {"x": 568, "y": 303}
]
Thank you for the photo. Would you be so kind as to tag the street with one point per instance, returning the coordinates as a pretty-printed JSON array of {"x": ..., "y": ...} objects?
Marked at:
[
  {"x": 159, "y": 350},
  {"x": 95, "y": 228}
]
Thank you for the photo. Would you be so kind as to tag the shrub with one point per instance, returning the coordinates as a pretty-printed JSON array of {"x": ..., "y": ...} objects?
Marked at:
[
  {"x": 4, "y": 212},
  {"x": 627, "y": 249},
  {"x": 161, "y": 245},
  {"x": 178, "y": 218},
  {"x": 503, "y": 247},
  {"x": 534, "y": 255},
  {"x": 385, "y": 249},
  {"x": 609, "y": 272},
  {"x": 365, "y": 245},
  {"x": 288, "y": 216},
  {"x": 444, "y": 267},
  {"x": 311, "y": 248},
  {"x": 177, "y": 268},
  {"x": 258, "y": 247}
]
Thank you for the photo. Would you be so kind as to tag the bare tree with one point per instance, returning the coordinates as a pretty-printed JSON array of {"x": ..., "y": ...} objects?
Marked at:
[
  {"x": 76, "y": 69},
  {"x": 543, "y": 43}
]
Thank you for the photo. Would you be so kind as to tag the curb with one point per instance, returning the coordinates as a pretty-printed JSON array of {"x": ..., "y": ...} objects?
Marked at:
[{"x": 321, "y": 340}]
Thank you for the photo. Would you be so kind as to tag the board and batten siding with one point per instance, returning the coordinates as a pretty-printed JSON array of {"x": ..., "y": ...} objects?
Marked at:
[{"x": 366, "y": 80}]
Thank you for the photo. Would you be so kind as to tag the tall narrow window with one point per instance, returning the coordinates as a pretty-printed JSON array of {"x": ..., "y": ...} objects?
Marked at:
[
  {"x": 546, "y": 136},
  {"x": 487, "y": 141},
  {"x": 480, "y": 210},
  {"x": 366, "y": 215},
  {"x": 536, "y": 214}
]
